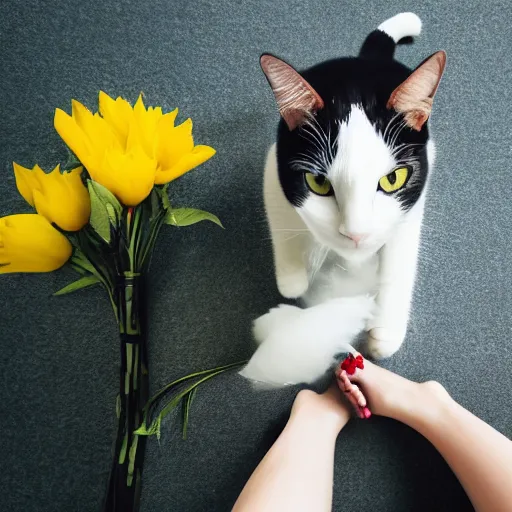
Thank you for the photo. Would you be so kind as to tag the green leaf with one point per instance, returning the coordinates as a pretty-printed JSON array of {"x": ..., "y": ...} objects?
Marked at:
[
  {"x": 156, "y": 199},
  {"x": 165, "y": 197},
  {"x": 78, "y": 269},
  {"x": 189, "y": 216},
  {"x": 107, "y": 197},
  {"x": 77, "y": 285},
  {"x": 100, "y": 219},
  {"x": 131, "y": 460},
  {"x": 105, "y": 209},
  {"x": 154, "y": 428},
  {"x": 112, "y": 213},
  {"x": 82, "y": 265},
  {"x": 185, "y": 394},
  {"x": 174, "y": 383},
  {"x": 122, "y": 451},
  {"x": 187, "y": 402}
]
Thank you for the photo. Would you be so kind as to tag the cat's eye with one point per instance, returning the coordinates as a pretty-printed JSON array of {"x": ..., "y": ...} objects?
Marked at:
[
  {"x": 318, "y": 184},
  {"x": 395, "y": 180}
]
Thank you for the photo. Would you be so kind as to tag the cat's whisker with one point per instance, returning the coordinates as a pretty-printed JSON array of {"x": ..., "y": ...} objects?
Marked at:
[
  {"x": 396, "y": 129},
  {"x": 388, "y": 126},
  {"x": 331, "y": 156},
  {"x": 315, "y": 125},
  {"x": 308, "y": 154},
  {"x": 328, "y": 156},
  {"x": 397, "y": 133},
  {"x": 317, "y": 258},
  {"x": 314, "y": 137},
  {"x": 307, "y": 163},
  {"x": 407, "y": 145},
  {"x": 307, "y": 157},
  {"x": 303, "y": 230},
  {"x": 293, "y": 236},
  {"x": 392, "y": 131},
  {"x": 320, "y": 150},
  {"x": 323, "y": 139}
]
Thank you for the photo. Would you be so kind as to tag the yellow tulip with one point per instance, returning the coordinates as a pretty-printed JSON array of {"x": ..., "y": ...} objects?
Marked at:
[
  {"x": 176, "y": 152},
  {"x": 29, "y": 243},
  {"x": 129, "y": 149},
  {"x": 59, "y": 197}
]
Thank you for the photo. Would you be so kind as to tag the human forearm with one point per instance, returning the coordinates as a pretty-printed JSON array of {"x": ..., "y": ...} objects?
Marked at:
[
  {"x": 479, "y": 455},
  {"x": 297, "y": 472}
]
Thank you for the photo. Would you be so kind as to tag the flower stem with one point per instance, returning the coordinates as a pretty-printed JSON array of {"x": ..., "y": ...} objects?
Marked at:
[{"x": 124, "y": 487}]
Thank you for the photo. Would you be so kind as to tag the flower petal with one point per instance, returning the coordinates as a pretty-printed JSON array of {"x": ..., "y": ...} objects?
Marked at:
[
  {"x": 97, "y": 130},
  {"x": 30, "y": 244},
  {"x": 117, "y": 113},
  {"x": 81, "y": 114},
  {"x": 63, "y": 199},
  {"x": 73, "y": 136},
  {"x": 25, "y": 181},
  {"x": 129, "y": 176},
  {"x": 197, "y": 156},
  {"x": 143, "y": 126},
  {"x": 173, "y": 142},
  {"x": 166, "y": 122}
]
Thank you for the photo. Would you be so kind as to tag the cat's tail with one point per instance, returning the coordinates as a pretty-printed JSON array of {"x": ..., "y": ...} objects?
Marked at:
[
  {"x": 381, "y": 43},
  {"x": 300, "y": 345}
]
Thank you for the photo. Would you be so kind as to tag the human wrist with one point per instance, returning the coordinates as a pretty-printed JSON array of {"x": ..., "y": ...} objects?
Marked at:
[
  {"x": 324, "y": 413},
  {"x": 312, "y": 430},
  {"x": 327, "y": 424}
]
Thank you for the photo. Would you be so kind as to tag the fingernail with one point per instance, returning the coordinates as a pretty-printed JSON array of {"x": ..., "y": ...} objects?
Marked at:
[{"x": 366, "y": 412}]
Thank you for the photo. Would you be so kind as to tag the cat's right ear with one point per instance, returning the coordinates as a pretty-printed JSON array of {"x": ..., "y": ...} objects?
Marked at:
[{"x": 296, "y": 99}]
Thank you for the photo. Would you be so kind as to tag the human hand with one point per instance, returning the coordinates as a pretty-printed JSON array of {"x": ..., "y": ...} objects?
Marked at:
[{"x": 326, "y": 410}]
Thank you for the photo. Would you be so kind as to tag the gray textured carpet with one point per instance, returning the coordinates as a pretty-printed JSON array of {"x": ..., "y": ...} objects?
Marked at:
[{"x": 59, "y": 356}]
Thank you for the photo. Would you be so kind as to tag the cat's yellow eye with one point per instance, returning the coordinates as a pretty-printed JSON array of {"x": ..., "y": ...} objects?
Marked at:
[
  {"x": 395, "y": 180},
  {"x": 318, "y": 184}
]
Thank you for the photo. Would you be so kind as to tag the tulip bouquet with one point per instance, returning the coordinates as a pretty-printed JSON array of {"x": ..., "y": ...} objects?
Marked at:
[{"x": 102, "y": 216}]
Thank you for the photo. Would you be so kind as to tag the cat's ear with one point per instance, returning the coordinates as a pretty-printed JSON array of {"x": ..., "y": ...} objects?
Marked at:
[
  {"x": 415, "y": 96},
  {"x": 295, "y": 98}
]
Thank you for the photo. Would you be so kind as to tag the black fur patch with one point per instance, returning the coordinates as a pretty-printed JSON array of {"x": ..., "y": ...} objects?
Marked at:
[{"x": 341, "y": 83}]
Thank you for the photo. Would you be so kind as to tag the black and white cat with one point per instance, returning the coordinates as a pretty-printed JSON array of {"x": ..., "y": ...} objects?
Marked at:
[{"x": 344, "y": 192}]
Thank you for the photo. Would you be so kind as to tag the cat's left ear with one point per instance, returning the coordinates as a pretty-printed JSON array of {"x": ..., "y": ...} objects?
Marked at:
[
  {"x": 415, "y": 96},
  {"x": 295, "y": 98}
]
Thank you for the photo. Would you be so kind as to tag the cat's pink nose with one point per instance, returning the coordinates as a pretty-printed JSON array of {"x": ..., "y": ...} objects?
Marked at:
[{"x": 357, "y": 237}]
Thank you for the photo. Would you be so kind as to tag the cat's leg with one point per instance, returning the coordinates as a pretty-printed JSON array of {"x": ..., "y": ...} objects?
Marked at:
[
  {"x": 289, "y": 234},
  {"x": 397, "y": 271}
]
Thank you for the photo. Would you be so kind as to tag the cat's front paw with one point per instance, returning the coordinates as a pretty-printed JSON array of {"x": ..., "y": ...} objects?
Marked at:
[
  {"x": 292, "y": 285},
  {"x": 274, "y": 319},
  {"x": 383, "y": 342}
]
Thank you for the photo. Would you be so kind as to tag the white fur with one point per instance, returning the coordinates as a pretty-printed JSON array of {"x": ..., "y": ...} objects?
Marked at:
[
  {"x": 405, "y": 24},
  {"x": 287, "y": 229},
  {"x": 398, "y": 262},
  {"x": 335, "y": 279},
  {"x": 300, "y": 344},
  {"x": 345, "y": 287},
  {"x": 363, "y": 158}
]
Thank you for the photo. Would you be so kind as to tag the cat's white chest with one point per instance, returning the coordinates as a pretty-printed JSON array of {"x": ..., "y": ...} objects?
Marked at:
[{"x": 336, "y": 277}]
